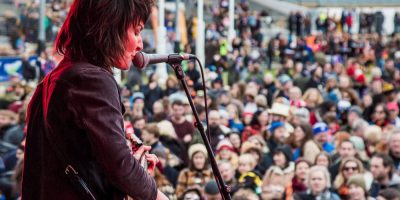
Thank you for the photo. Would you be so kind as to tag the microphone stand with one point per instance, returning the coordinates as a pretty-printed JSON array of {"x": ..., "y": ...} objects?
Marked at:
[{"x": 224, "y": 189}]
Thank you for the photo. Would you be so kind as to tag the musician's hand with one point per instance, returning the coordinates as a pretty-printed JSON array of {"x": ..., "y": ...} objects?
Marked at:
[
  {"x": 142, "y": 150},
  {"x": 152, "y": 161}
]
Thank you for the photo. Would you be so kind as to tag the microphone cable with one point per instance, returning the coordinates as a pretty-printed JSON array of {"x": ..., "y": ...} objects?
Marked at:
[{"x": 224, "y": 188}]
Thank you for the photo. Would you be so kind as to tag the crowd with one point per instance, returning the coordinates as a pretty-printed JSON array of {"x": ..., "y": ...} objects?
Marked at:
[
  {"x": 368, "y": 22},
  {"x": 312, "y": 115}
]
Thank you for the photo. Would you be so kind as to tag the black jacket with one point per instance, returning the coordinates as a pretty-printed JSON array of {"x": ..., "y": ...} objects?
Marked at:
[{"x": 84, "y": 111}]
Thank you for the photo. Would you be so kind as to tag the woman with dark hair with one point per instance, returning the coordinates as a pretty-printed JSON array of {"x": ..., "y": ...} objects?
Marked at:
[
  {"x": 302, "y": 142},
  {"x": 198, "y": 172},
  {"x": 348, "y": 168},
  {"x": 298, "y": 183},
  {"x": 75, "y": 130},
  {"x": 380, "y": 116}
]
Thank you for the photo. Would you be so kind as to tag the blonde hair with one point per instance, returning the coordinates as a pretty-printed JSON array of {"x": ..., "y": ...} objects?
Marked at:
[
  {"x": 247, "y": 158},
  {"x": 340, "y": 179},
  {"x": 322, "y": 169},
  {"x": 309, "y": 92}
]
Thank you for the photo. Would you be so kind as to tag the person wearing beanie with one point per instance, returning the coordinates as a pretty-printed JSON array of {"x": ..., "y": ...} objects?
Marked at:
[
  {"x": 321, "y": 134},
  {"x": 279, "y": 175},
  {"x": 358, "y": 188},
  {"x": 360, "y": 147},
  {"x": 225, "y": 151},
  {"x": 198, "y": 172},
  {"x": 211, "y": 191},
  {"x": 393, "y": 109},
  {"x": 278, "y": 133}
]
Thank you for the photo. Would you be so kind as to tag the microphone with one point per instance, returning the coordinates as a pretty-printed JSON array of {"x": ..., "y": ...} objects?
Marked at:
[{"x": 142, "y": 59}]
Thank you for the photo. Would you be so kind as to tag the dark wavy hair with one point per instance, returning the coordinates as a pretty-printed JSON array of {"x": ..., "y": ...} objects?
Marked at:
[{"x": 96, "y": 30}]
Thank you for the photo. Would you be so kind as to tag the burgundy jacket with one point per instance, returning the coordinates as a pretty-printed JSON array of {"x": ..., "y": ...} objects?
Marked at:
[{"x": 84, "y": 111}]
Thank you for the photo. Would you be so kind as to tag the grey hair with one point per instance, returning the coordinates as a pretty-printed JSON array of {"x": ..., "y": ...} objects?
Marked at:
[
  {"x": 322, "y": 169},
  {"x": 359, "y": 123},
  {"x": 394, "y": 132}
]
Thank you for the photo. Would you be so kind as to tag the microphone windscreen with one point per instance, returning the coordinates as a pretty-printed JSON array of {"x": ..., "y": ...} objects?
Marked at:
[{"x": 139, "y": 61}]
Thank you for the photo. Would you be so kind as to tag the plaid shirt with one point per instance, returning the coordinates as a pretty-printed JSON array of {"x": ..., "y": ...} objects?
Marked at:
[{"x": 188, "y": 178}]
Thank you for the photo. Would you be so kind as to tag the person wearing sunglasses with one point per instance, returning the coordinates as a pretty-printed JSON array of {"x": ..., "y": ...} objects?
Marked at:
[{"x": 348, "y": 167}]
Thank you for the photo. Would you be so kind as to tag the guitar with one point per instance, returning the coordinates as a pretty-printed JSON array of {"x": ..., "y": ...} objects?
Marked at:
[{"x": 135, "y": 143}]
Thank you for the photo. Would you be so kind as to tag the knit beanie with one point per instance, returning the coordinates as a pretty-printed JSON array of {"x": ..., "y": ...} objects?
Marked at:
[
  {"x": 358, "y": 180},
  {"x": 225, "y": 144},
  {"x": 196, "y": 148},
  {"x": 319, "y": 128},
  {"x": 211, "y": 188}
]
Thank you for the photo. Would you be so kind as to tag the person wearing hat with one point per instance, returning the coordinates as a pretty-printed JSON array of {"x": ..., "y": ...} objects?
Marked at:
[
  {"x": 393, "y": 109},
  {"x": 358, "y": 187},
  {"x": 321, "y": 134},
  {"x": 285, "y": 83},
  {"x": 225, "y": 151},
  {"x": 211, "y": 191},
  {"x": 138, "y": 105},
  {"x": 278, "y": 134},
  {"x": 279, "y": 111},
  {"x": 279, "y": 175},
  {"x": 198, "y": 172}
]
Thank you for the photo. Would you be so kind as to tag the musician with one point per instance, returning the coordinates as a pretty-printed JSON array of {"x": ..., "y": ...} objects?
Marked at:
[{"x": 75, "y": 115}]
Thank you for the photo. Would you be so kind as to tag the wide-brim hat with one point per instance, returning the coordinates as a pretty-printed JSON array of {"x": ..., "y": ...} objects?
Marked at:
[{"x": 279, "y": 109}]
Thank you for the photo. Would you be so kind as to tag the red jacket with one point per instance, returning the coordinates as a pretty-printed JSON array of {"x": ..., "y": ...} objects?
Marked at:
[{"x": 84, "y": 111}]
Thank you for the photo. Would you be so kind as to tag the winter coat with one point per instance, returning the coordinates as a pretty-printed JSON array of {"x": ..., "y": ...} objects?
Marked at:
[
  {"x": 311, "y": 150},
  {"x": 188, "y": 178},
  {"x": 82, "y": 107}
]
